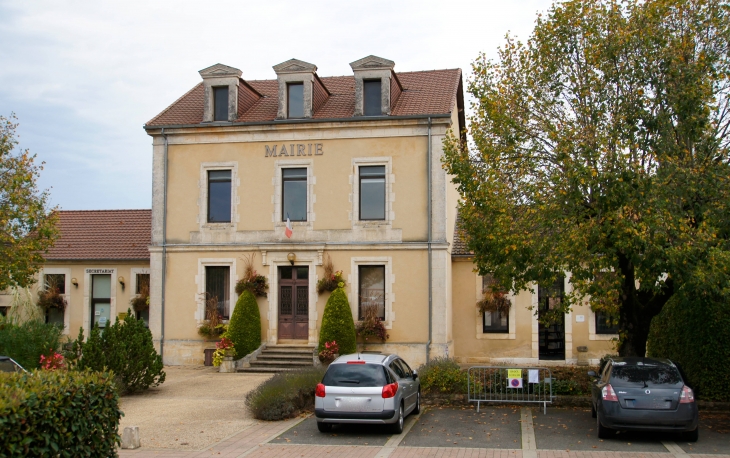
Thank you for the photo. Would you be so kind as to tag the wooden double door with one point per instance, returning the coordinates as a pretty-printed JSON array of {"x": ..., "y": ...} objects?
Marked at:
[{"x": 294, "y": 302}]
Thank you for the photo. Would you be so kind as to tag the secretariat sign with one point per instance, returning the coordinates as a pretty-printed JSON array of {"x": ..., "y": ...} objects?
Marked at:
[
  {"x": 295, "y": 149},
  {"x": 99, "y": 271}
]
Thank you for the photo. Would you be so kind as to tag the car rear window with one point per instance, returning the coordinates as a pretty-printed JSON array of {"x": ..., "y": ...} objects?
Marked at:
[
  {"x": 360, "y": 375},
  {"x": 646, "y": 375}
]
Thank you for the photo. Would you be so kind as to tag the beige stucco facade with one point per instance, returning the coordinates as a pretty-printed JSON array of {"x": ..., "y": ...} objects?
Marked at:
[{"x": 400, "y": 242}]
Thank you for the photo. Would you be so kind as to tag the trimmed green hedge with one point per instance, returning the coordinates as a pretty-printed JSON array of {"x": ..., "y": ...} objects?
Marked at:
[
  {"x": 58, "y": 413},
  {"x": 442, "y": 375},
  {"x": 693, "y": 330},
  {"x": 244, "y": 329},
  {"x": 337, "y": 323},
  {"x": 27, "y": 341}
]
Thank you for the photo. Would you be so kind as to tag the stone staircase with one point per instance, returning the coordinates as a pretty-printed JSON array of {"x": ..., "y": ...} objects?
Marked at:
[{"x": 280, "y": 358}]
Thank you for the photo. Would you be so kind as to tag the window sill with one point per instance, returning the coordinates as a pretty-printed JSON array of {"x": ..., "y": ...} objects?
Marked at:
[{"x": 217, "y": 226}]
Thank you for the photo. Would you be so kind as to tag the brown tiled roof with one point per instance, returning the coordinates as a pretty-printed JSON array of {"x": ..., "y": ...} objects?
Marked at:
[
  {"x": 102, "y": 234},
  {"x": 459, "y": 248},
  {"x": 424, "y": 93}
]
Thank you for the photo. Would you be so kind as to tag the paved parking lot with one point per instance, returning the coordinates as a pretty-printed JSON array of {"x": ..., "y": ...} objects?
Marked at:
[{"x": 494, "y": 432}]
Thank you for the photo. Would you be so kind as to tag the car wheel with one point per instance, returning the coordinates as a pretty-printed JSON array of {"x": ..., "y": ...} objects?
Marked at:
[
  {"x": 603, "y": 432},
  {"x": 692, "y": 436},
  {"x": 593, "y": 411},
  {"x": 398, "y": 425},
  {"x": 324, "y": 427},
  {"x": 417, "y": 409}
]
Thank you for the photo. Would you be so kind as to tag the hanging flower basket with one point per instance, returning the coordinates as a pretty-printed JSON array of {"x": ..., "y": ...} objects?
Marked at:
[
  {"x": 251, "y": 280},
  {"x": 494, "y": 301},
  {"x": 331, "y": 279},
  {"x": 51, "y": 298},
  {"x": 141, "y": 302}
]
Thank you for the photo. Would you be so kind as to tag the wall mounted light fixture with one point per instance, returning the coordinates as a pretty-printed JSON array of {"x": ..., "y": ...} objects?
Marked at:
[
  {"x": 75, "y": 282},
  {"x": 121, "y": 282},
  {"x": 291, "y": 257}
]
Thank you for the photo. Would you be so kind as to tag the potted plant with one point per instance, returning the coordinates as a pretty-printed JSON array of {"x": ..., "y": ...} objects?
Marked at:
[
  {"x": 212, "y": 327},
  {"x": 331, "y": 278},
  {"x": 224, "y": 354},
  {"x": 371, "y": 327},
  {"x": 251, "y": 280},
  {"x": 50, "y": 296},
  {"x": 329, "y": 353},
  {"x": 141, "y": 301}
]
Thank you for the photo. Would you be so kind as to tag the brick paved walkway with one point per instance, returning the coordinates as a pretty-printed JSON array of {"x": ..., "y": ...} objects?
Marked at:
[{"x": 254, "y": 442}]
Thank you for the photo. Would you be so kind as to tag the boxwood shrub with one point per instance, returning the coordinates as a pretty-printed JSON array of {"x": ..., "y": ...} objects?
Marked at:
[
  {"x": 285, "y": 395},
  {"x": 442, "y": 375},
  {"x": 337, "y": 323},
  {"x": 693, "y": 330},
  {"x": 244, "y": 329},
  {"x": 58, "y": 413}
]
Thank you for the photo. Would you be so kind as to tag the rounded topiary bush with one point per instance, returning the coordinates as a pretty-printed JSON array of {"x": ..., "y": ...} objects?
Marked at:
[
  {"x": 337, "y": 323},
  {"x": 693, "y": 330},
  {"x": 244, "y": 329}
]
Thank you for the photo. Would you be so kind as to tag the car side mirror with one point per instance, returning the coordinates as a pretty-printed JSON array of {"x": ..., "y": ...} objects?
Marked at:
[
  {"x": 415, "y": 375},
  {"x": 592, "y": 374}
]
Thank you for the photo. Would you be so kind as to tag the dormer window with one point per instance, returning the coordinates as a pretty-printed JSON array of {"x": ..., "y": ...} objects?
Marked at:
[
  {"x": 377, "y": 87},
  {"x": 220, "y": 101},
  {"x": 372, "y": 98},
  {"x": 295, "y": 100}
]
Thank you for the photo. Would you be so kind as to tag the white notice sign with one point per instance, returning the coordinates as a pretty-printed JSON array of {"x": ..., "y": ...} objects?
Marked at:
[{"x": 533, "y": 376}]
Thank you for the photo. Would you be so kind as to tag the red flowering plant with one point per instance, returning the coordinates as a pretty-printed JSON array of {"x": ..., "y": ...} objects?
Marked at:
[
  {"x": 53, "y": 362},
  {"x": 331, "y": 349},
  {"x": 371, "y": 327}
]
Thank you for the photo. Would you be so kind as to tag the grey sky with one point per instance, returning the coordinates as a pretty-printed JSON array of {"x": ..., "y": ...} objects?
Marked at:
[{"x": 83, "y": 77}]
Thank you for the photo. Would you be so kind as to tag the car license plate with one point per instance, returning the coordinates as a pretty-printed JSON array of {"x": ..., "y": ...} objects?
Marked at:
[{"x": 352, "y": 404}]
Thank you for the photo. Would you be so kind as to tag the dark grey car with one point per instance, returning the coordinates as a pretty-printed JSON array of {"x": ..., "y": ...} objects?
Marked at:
[
  {"x": 643, "y": 394},
  {"x": 8, "y": 364}
]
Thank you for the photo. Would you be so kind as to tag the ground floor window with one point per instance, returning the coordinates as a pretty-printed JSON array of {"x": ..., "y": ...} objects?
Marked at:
[
  {"x": 494, "y": 321},
  {"x": 4, "y": 311},
  {"x": 371, "y": 290},
  {"x": 55, "y": 284},
  {"x": 606, "y": 323},
  {"x": 217, "y": 286}
]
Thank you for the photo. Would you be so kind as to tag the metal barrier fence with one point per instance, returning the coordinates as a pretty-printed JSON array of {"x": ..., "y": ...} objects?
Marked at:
[{"x": 510, "y": 384}]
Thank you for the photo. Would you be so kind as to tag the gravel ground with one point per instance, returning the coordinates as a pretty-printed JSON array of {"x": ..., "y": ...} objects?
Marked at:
[{"x": 195, "y": 408}]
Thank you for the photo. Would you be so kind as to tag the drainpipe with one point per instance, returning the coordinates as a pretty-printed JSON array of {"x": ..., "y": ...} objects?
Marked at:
[
  {"x": 164, "y": 245},
  {"x": 430, "y": 254}
]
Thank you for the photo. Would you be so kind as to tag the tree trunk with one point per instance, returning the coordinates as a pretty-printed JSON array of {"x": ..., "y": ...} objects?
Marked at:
[{"x": 637, "y": 310}]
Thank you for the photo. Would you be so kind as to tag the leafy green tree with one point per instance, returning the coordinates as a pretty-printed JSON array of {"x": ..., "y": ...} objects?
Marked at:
[
  {"x": 337, "y": 323},
  {"x": 244, "y": 329},
  {"x": 27, "y": 226},
  {"x": 600, "y": 147}
]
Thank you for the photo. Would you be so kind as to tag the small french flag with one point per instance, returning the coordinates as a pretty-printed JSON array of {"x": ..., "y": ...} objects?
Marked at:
[{"x": 288, "y": 231}]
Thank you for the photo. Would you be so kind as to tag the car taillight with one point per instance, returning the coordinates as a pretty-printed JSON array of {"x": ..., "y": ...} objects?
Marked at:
[
  {"x": 319, "y": 391},
  {"x": 608, "y": 393},
  {"x": 687, "y": 395},
  {"x": 356, "y": 362},
  {"x": 390, "y": 390}
]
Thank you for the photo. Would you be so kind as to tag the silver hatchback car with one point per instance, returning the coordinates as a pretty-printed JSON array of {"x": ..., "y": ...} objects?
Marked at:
[{"x": 367, "y": 388}]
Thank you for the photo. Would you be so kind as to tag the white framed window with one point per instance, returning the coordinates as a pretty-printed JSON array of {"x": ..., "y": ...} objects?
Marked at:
[
  {"x": 374, "y": 290},
  {"x": 300, "y": 176},
  {"x": 375, "y": 173},
  {"x": 223, "y": 285},
  {"x": 494, "y": 320},
  {"x": 216, "y": 180},
  {"x": 138, "y": 278},
  {"x": 62, "y": 278}
]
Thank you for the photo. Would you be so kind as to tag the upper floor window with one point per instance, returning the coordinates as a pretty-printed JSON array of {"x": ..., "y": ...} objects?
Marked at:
[
  {"x": 295, "y": 100},
  {"x": 371, "y": 290},
  {"x": 294, "y": 201},
  {"x": 220, "y": 103},
  {"x": 606, "y": 323},
  {"x": 219, "y": 196},
  {"x": 372, "y": 98},
  {"x": 372, "y": 192}
]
